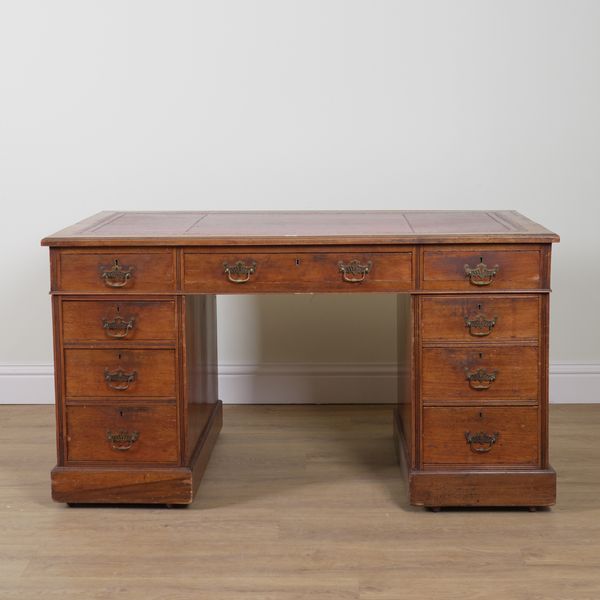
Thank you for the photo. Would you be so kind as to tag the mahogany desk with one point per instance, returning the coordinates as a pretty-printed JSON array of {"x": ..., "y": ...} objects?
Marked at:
[{"x": 133, "y": 300}]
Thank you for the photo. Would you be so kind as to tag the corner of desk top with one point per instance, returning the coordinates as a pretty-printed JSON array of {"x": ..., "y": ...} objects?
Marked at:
[{"x": 77, "y": 228}]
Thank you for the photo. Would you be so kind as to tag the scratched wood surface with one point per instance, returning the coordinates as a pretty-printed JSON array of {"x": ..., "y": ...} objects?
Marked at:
[{"x": 297, "y": 502}]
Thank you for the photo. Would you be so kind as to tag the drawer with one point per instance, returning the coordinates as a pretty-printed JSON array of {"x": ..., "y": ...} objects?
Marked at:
[
  {"x": 481, "y": 374},
  {"x": 482, "y": 436},
  {"x": 121, "y": 320},
  {"x": 474, "y": 269},
  {"x": 480, "y": 318},
  {"x": 122, "y": 434},
  {"x": 252, "y": 272},
  {"x": 117, "y": 271},
  {"x": 120, "y": 373}
]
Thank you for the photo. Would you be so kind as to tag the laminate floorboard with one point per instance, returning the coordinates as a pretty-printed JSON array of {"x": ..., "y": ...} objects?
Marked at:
[{"x": 298, "y": 502}]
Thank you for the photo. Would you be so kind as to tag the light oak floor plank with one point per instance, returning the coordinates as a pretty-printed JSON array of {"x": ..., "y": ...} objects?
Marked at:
[{"x": 298, "y": 502}]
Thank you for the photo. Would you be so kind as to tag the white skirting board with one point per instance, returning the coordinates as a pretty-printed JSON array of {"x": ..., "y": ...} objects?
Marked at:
[{"x": 277, "y": 383}]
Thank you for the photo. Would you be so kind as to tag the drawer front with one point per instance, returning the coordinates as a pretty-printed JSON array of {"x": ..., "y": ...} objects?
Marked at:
[
  {"x": 480, "y": 318},
  {"x": 120, "y": 373},
  {"x": 117, "y": 271},
  {"x": 477, "y": 269},
  {"x": 249, "y": 272},
  {"x": 481, "y": 436},
  {"x": 479, "y": 375},
  {"x": 122, "y": 434},
  {"x": 123, "y": 321}
]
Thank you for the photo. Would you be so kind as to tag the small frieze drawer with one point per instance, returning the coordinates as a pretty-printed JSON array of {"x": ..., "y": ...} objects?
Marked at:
[
  {"x": 141, "y": 433},
  {"x": 119, "y": 270},
  {"x": 481, "y": 268},
  {"x": 481, "y": 436}
]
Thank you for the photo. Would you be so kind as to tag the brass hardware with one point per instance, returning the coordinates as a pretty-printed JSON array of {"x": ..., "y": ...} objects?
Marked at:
[
  {"x": 119, "y": 379},
  {"x": 116, "y": 275},
  {"x": 481, "y": 442},
  {"x": 482, "y": 323},
  {"x": 350, "y": 270},
  {"x": 118, "y": 327},
  {"x": 122, "y": 440},
  {"x": 481, "y": 274},
  {"x": 481, "y": 379},
  {"x": 239, "y": 268}
]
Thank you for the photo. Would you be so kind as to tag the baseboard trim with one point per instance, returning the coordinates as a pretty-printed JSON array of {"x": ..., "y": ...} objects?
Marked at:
[{"x": 303, "y": 383}]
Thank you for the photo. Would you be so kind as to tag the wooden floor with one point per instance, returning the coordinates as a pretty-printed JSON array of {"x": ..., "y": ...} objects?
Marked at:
[{"x": 297, "y": 502}]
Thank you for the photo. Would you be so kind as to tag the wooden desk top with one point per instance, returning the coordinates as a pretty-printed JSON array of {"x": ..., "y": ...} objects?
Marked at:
[{"x": 288, "y": 228}]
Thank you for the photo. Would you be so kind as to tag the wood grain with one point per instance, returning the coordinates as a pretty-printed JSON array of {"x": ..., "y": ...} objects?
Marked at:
[
  {"x": 444, "y": 318},
  {"x": 519, "y": 268},
  {"x": 514, "y": 428},
  {"x": 444, "y": 374},
  {"x": 152, "y": 270},
  {"x": 155, "y": 427},
  {"x": 296, "y": 271},
  {"x": 90, "y": 321},
  {"x": 155, "y": 372}
]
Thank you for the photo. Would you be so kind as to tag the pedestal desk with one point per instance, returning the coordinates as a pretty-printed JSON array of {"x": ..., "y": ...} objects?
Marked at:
[{"x": 133, "y": 304}]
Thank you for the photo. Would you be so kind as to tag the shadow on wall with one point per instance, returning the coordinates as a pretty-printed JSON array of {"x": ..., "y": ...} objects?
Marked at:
[{"x": 307, "y": 348}]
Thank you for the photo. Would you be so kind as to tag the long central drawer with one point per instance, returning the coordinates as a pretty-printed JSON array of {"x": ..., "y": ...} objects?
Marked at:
[{"x": 249, "y": 271}]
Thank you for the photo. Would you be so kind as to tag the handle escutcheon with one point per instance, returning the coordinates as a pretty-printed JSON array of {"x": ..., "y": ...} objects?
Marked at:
[
  {"x": 481, "y": 442},
  {"x": 117, "y": 275},
  {"x": 481, "y": 274},
  {"x": 354, "y": 271},
  {"x": 122, "y": 440},
  {"x": 481, "y": 379},
  {"x": 239, "y": 272},
  {"x": 118, "y": 327},
  {"x": 480, "y": 325},
  {"x": 119, "y": 380}
]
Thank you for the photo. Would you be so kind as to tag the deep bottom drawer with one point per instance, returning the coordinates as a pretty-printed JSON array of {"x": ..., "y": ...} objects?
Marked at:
[
  {"x": 481, "y": 436},
  {"x": 122, "y": 433}
]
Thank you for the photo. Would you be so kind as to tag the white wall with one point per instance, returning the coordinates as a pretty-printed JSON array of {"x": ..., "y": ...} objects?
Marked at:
[{"x": 299, "y": 105}]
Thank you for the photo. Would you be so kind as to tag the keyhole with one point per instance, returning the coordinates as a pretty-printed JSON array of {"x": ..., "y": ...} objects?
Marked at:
[
  {"x": 481, "y": 355},
  {"x": 116, "y": 262},
  {"x": 481, "y": 259},
  {"x": 119, "y": 355},
  {"x": 479, "y": 306},
  {"x": 121, "y": 413},
  {"x": 297, "y": 262},
  {"x": 118, "y": 308},
  {"x": 481, "y": 415}
]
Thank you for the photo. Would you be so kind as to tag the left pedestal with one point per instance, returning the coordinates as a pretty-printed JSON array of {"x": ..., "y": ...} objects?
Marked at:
[{"x": 135, "y": 378}]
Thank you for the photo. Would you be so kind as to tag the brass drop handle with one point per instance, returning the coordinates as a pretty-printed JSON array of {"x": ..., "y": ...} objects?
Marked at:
[
  {"x": 119, "y": 380},
  {"x": 354, "y": 272},
  {"x": 480, "y": 325},
  {"x": 481, "y": 379},
  {"x": 481, "y": 274},
  {"x": 118, "y": 327},
  {"x": 117, "y": 275},
  {"x": 239, "y": 272},
  {"x": 122, "y": 440},
  {"x": 481, "y": 442}
]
